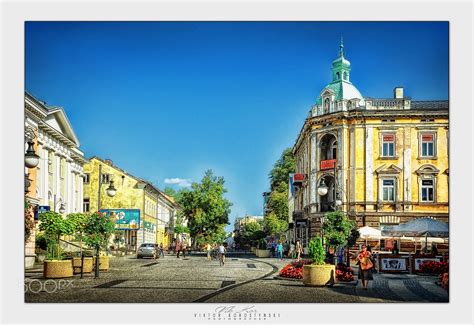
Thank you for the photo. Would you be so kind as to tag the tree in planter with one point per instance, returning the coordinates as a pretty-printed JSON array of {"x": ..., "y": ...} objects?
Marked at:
[
  {"x": 79, "y": 221},
  {"x": 337, "y": 229},
  {"x": 54, "y": 226},
  {"x": 98, "y": 229},
  {"x": 251, "y": 232},
  {"x": 316, "y": 251}
]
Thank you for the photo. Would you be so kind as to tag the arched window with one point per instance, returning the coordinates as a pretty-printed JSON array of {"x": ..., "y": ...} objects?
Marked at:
[
  {"x": 337, "y": 75},
  {"x": 349, "y": 104},
  {"x": 326, "y": 106},
  {"x": 345, "y": 75}
]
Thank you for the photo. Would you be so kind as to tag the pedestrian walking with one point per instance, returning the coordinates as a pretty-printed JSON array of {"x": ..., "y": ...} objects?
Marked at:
[
  {"x": 162, "y": 250},
  {"x": 173, "y": 247},
  {"x": 291, "y": 253},
  {"x": 208, "y": 249},
  {"x": 222, "y": 254},
  {"x": 178, "y": 248},
  {"x": 279, "y": 249},
  {"x": 184, "y": 248},
  {"x": 364, "y": 260},
  {"x": 299, "y": 250}
]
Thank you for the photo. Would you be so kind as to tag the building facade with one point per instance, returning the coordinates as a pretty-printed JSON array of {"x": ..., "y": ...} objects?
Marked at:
[
  {"x": 382, "y": 161},
  {"x": 157, "y": 211},
  {"x": 55, "y": 184}
]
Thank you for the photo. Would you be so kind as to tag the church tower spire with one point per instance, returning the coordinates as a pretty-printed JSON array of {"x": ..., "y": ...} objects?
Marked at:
[{"x": 341, "y": 67}]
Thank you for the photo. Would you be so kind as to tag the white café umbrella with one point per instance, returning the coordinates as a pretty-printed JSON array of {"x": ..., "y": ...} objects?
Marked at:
[{"x": 369, "y": 232}]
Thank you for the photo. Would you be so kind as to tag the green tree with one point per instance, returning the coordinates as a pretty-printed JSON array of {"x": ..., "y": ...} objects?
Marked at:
[
  {"x": 78, "y": 220},
  {"x": 337, "y": 228},
  {"x": 316, "y": 251},
  {"x": 205, "y": 207},
  {"x": 284, "y": 166},
  {"x": 54, "y": 226},
  {"x": 251, "y": 232},
  {"x": 98, "y": 229},
  {"x": 275, "y": 225},
  {"x": 278, "y": 201},
  {"x": 171, "y": 192}
]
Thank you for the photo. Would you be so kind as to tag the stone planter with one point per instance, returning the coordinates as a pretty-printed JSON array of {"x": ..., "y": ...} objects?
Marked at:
[
  {"x": 87, "y": 268},
  {"x": 29, "y": 261},
  {"x": 57, "y": 269},
  {"x": 103, "y": 262},
  {"x": 262, "y": 253},
  {"x": 319, "y": 275}
]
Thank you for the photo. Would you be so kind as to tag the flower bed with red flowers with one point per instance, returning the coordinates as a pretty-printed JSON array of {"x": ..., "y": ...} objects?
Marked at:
[
  {"x": 444, "y": 280},
  {"x": 294, "y": 270},
  {"x": 433, "y": 267},
  {"x": 344, "y": 273}
]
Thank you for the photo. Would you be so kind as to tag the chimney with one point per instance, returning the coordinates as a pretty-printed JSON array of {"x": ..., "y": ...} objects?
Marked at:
[{"x": 398, "y": 92}]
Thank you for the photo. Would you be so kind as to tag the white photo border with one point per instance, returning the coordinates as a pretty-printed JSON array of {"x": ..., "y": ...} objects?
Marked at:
[{"x": 459, "y": 15}]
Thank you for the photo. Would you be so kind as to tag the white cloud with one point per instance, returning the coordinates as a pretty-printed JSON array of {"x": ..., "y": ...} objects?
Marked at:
[{"x": 178, "y": 181}]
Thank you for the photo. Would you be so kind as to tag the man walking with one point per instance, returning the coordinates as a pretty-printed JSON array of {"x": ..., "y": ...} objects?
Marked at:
[{"x": 221, "y": 254}]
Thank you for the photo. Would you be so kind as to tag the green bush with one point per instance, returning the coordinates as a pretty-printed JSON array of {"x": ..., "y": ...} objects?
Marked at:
[
  {"x": 40, "y": 242},
  {"x": 316, "y": 251}
]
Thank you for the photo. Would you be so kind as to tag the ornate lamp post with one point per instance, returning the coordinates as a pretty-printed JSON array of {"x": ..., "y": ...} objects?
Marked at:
[{"x": 111, "y": 191}]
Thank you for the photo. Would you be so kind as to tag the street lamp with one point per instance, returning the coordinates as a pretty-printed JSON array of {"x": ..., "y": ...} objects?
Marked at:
[
  {"x": 111, "y": 191},
  {"x": 31, "y": 158},
  {"x": 322, "y": 189}
]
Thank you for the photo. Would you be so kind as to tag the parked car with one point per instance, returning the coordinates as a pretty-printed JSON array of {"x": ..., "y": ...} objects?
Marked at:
[{"x": 148, "y": 250}]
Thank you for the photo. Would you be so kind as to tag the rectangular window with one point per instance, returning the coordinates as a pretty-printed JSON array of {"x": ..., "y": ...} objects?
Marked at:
[
  {"x": 388, "y": 190},
  {"x": 388, "y": 145},
  {"x": 105, "y": 178},
  {"x": 86, "y": 205},
  {"x": 427, "y": 145},
  {"x": 427, "y": 190},
  {"x": 87, "y": 178}
]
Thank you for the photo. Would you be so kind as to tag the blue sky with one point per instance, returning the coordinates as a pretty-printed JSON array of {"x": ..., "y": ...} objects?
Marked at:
[{"x": 169, "y": 100}]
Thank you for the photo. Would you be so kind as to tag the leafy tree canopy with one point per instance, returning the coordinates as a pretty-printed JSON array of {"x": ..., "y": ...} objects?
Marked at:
[
  {"x": 278, "y": 201},
  {"x": 337, "y": 228},
  {"x": 205, "y": 207},
  {"x": 285, "y": 165},
  {"x": 275, "y": 225},
  {"x": 252, "y": 231}
]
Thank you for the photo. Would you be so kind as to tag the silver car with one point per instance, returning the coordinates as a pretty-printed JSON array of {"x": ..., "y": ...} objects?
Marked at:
[{"x": 148, "y": 250}]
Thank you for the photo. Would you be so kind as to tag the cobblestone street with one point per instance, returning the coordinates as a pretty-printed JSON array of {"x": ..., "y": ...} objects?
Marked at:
[{"x": 243, "y": 279}]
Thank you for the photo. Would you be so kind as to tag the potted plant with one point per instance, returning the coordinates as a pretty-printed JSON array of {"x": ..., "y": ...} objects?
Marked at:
[
  {"x": 262, "y": 250},
  {"x": 318, "y": 273},
  {"x": 97, "y": 230},
  {"x": 54, "y": 226},
  {"x": 79, "y": 221}
]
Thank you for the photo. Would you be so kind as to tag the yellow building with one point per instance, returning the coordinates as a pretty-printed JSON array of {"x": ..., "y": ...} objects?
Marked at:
[
  {"x": 383, "y": 161},
  {"x": 156, "y": 211}
]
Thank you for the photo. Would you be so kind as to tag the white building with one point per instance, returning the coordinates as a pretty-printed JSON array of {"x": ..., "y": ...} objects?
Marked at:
[{"x": 59, "y": 174}]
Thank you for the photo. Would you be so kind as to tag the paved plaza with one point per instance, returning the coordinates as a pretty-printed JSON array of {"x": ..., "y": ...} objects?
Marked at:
[{"x": 243, "y": 279}]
